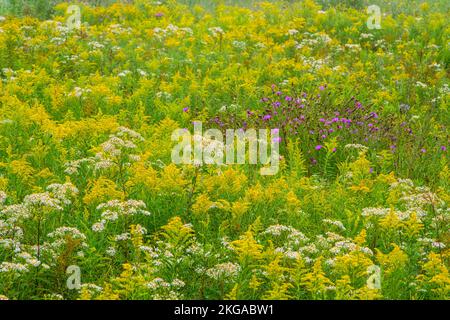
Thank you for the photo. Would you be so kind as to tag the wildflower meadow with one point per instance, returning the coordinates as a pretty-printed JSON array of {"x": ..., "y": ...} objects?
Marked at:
[{"x": 224, "y": 150}]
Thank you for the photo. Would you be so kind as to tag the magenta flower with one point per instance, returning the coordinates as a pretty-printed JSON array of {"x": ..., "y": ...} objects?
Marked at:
[
  {"x": 318, "y": 147},
  {"x": 443, "y": 148},
  {"x": 277, "y": 139},
  {"x": 185, "y": 109}
]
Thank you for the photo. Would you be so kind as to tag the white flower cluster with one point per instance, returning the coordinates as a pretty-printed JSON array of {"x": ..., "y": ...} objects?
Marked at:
[
  {"x": 161, "y": 33},
  {"x": 311, "y": 249},
  {"x": 63, "y": 232},
  {"x": 122, "y": 237},
  {"x": 74, "y": 166},
  {"x": 158, "y": 283},
  {"x": 290, "y": 238},
  {"x": 119, "y": 29},
  {"x": 292, "y": 233},
  {"x": 91, "y": 288},
  {"x": 30, "y": 260},
  {"x": 224, "y": 271},
  {"x": 241, "y": 45},
  {"x": 335, "y": 223},
  {"x": 112, "y": 210},
  {"x": 79, "y": 92},
  {"x": 43, "y": 199},
  {"x": 276, "y": 230},
  {"x": 374, "y": 212},
  {"x": 422, "y": 199},
  {"x": 343, "y": 246},
  {"x": 15, "y": 267},
  {"x": 311, "y": 40},
  {"x": 216, "y": 31},
  {"x": 353, "y": 47},
  {"x": 116, "y": 149},
  {"x": 124, "y": 73},
  {"x": 57, "y": 196},
  {"x": 403, "y": 184},
  {"x": 63, "y": 192},
  {"x": 3, "y": 197},
  {"x": 212, "y": 148},
  {"x": 356, "y": 146}
]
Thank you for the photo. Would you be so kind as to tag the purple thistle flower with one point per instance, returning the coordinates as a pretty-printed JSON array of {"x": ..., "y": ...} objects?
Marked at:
[
  {"x": 278, "y": 139},
  {"x": 318, "y": 147}
]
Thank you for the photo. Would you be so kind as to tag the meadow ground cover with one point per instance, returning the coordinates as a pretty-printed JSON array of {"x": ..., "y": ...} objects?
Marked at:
[{"x": 92, "y": 205}]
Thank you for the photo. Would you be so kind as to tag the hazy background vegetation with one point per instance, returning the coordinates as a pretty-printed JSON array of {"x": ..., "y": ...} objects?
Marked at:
[{"x": 44, "y": 8}]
